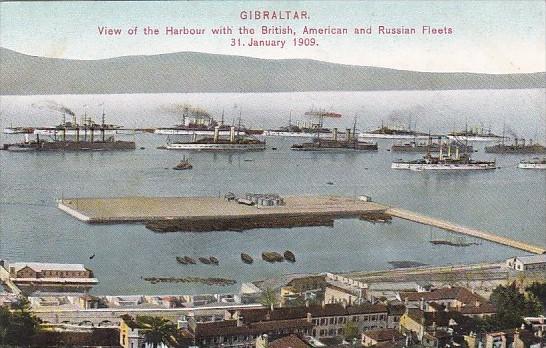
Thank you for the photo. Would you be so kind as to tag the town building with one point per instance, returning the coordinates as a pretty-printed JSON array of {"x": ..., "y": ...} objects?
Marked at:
[
  {"x": 458, "y": 299},
  {"x": 63, "y": 276},
  {"x": 534, "y": 263},
  {"x": 381, "y": 337},
  {"x": 435, "y": 328}
]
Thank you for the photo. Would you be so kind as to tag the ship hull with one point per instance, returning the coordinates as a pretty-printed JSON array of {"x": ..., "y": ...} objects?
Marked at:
[
  {"x": 17, "y": 131},
  {"x": 515, "y": 150},
  {"x": 215, "y": 147},
  {"x": 73, "y": 132},
  {"x": 532, "y": 165},
  {"x": 391, "y": 136},
  {"x": 73, "y": 146},
  {"x": 434, "y": 166},
  {"x": 272, "y": 133},
  {"x": 473, "y": 138},
  {"x": 174, "y": 131}
]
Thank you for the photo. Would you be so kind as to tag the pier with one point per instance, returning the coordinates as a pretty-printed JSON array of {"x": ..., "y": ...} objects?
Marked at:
[
  {"x": 201, "y": 214},
  {"x": 212, "y": 210},
  {"x": 472, "y": 232}
]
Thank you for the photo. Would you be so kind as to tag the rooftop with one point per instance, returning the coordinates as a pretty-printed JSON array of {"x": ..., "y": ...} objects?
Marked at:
[
  {"x": 454, "y": 293},
  {"x": 528, "y": 260},
  {"x": 317, "y": 311},
  {"x": 39, "y": 267},
  {"x": 382, "y": 335}
]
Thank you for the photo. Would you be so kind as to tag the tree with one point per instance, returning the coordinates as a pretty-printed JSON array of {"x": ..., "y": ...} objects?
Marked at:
[
  {"x": 350, "y": 331},
  {"x": 268, "y": 298},
  {"x": 157, "y": 330},
  {"x": 512, "y": 305},
  {"x": 18, "y": 326},
  {"x": 539, "y": 291}
]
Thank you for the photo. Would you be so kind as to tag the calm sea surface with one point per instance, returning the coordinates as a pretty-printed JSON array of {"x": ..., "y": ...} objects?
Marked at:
[{"x": 507, "y": 201}]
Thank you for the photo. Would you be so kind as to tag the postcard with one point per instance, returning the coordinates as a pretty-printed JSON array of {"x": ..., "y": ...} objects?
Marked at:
[{"x": 273, "y": 173}]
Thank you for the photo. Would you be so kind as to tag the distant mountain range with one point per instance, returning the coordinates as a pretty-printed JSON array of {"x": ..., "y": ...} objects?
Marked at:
[{"x": 187, "y": 72}]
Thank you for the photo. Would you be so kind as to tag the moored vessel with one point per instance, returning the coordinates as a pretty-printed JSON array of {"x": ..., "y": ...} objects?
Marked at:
[
  {"x": 109, "y": 144},
  {"x": 535, "y": 163},
  {"x": 475, "y": 134},
  {"x": 184, "y": 164},
  {"x": 519, "y": 146},
  {"x": 388, "y": 132},
  {"x": 246, "y": 258},
  {"x": 429, "y": 146},
  {"x": 236, "y": 142},
  {"x": 444, "y": 162}
]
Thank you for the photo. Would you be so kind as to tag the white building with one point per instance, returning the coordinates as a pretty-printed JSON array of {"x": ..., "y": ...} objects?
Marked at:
[{"x": 534, "y": 263}]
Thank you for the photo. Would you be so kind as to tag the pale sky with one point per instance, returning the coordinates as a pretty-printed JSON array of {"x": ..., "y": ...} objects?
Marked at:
[{"x": 488, "y": 36}]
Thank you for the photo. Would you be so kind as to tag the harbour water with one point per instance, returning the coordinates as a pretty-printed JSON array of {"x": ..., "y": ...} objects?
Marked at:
[{"x": 506, "y": 201}]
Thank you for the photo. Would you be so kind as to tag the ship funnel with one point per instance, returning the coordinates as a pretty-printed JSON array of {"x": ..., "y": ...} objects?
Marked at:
[
  {"x": 216, "y": 133},
  {"x": 335, "y": 134},
  {"x": 232, "y": 134},
  {"x": 348, "y": 130}
]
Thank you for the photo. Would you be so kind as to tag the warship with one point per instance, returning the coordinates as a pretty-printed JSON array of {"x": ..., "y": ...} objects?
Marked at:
[
  {"x": 519, "y": 146},
  {"x": 235, "y": 142}
]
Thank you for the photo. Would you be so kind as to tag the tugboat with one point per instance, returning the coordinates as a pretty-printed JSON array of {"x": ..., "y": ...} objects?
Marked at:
[
  {"x": 535, "y": 163},
  {"x": 289, "y": 256},
  {"x": 183, "y": 165},
  {"x": 247, "y": 258}
]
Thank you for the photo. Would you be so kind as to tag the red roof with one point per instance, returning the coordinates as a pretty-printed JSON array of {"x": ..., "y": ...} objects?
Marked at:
[{"x": 455, "y": 293}]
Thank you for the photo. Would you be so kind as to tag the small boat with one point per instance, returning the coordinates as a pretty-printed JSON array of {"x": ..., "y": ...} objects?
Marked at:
[
  {"x": 189, "y": 260},
  {"x": 205, "y": 260},
  {"x": 183, "y": 165},
  {"x": 289, "y": 256},
  {"x": 247, "y": 258},
  {"x": 214, "y": 260},
  {"x": 272, "y": 256}
]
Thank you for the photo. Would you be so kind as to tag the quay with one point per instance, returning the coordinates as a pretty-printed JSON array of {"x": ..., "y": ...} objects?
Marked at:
[
  {"x": 146, "y": 209},
  {"x": 448, "y": 226},
  {"x": 200, "y": 214}
]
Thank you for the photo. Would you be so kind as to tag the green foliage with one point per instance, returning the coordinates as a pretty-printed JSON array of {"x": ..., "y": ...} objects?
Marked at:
[
  {"x": 539, "y": 291},
  {"x": 17, "y": 327},
  {"x": 157, "y": 330},
  {"x": 512, "y": 306},
  {"x": 350, "y": 330},
  {"x": 268, "y": 298}
]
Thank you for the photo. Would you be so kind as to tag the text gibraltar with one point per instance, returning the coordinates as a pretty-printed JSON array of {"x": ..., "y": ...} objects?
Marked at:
[{"x": 274, "y": 15}]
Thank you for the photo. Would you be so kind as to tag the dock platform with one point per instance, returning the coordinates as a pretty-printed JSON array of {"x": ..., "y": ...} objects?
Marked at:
[
  {"x": 146, "y": 209},
  {"x": 202, "y": 214}
]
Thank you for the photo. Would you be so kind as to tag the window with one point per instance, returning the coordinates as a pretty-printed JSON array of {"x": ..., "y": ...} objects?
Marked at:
[{"x": 332, "y": 321}]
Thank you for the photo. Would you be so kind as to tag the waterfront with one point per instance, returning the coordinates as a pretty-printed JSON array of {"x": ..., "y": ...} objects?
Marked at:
[{"x": 506, "y": 201}]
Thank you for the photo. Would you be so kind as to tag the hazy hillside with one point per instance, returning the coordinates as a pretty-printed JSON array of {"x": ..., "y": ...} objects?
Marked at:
[{"x": 202, "y": 72}]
